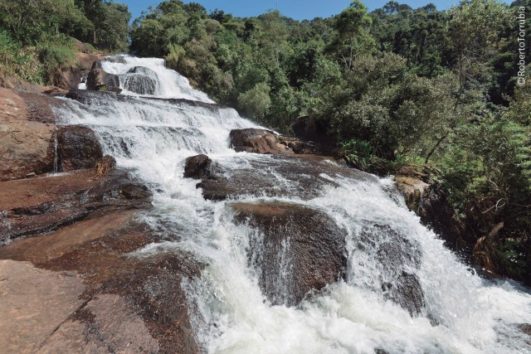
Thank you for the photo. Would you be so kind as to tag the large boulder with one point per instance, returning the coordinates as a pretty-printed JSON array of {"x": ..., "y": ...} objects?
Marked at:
[
  {"x": 396, "y": 259},
  {"x": 429, "y": 201},
  {"x": 199, "y": 167},
  {"x": 27, "y": 124},
  {"x": 140, "y": 80},
  {"x": 99, "y": 80},
  {"x": 260, "y": 141},
  {"x": 77, "y": 148},
  {"x": 297, "y": 250}
]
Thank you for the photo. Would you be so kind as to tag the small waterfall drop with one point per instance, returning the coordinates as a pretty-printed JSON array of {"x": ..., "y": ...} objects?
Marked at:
[{"x": 462, "y": 313}]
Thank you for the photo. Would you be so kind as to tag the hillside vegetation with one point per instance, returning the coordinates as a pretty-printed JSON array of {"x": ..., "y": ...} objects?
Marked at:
[{"x": 36, "y": 36}]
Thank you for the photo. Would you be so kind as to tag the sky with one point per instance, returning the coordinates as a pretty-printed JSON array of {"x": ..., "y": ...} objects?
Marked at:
[{"x": 297, "y": 9}]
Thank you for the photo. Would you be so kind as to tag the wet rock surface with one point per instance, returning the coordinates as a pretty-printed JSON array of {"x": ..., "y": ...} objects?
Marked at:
[
  {"x": 140, "y": 80},
  {"x": 397, "y": 260},
  {"x": 275, "y": 176},
  {"x": 77, "y": 148},
  {"x": 99, "y": 80},
  {"x": 53, "y": 201},
  {"x": 298, "y": 250},
  {"x": 199, "y": 167}
]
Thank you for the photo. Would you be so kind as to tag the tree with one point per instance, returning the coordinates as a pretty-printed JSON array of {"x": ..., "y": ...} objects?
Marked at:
[{"x": 353, "y": 38}]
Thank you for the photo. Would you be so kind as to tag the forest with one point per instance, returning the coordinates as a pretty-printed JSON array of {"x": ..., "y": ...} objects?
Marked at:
[{"x": 434, "y": 89}]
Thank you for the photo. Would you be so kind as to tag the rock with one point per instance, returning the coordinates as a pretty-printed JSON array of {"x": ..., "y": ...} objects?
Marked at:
[
  {"x": 88, "y": 291},
  {"x": 36, "y": 302},
  {"x": 140, "y": 80},
  {"x": 27, "y": 124},
  {"x": 77, "y": 148},
  {"x": 277, "y": 175},
  {"x": 105, "y": 165},
  {"x": 412, "y": 189},
  {"x": 484, "y": 253},
  {"x": 311, "y": 129},
  {"x": 99, "y": 80},
  {"x": 257, "y": 140},
  {"x": 300, "y": 250},
  {"x": 300, "y": 147},
  {"x": 436, "y": 212},
  {"x": 51, "y": 202},
  {"x": 430, "y": 202},
  {"x": 199, "y": 167},
  {"x": 70, "y": 76},
  {"x": 397, "y": 258}
]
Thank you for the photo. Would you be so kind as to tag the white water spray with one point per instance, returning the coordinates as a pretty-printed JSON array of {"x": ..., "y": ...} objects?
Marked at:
[{"x": 463, "y": 313}]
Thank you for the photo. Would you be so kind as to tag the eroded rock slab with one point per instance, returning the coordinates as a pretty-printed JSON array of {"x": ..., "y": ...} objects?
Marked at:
[
  {"x": 298, "y": 250},
  {"x": 117, "y": 302},
  {"x": 42, "y": 204},
  {"x": 33, "y": 304},
  {"x": 274, "y": 175},
  {"x": 27, "y": 125}
]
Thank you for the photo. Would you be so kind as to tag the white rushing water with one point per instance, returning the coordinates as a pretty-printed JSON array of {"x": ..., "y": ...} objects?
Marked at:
[{"x": 463, "y": 313}]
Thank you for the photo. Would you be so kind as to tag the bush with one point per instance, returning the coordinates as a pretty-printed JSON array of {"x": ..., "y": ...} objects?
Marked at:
[
  {"x": 255, "y": 102},
  {"x": 18, "y": 62},
  {"x": 55, "y": 53}
]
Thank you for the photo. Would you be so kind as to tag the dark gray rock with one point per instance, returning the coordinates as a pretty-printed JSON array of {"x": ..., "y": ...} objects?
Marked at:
[
  {"x": 198, "y": 167},
  {"x": 140, "y": 80},
  {"x": 77, "y": 148},
  {"x": 397, "y": 257},
  {"x": 99, "y": 80},
  {"x": 302, "y": 249}
]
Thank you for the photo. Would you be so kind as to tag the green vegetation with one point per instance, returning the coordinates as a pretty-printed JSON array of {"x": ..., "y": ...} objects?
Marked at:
[
  {"x": 396, "y": 86},
  {"x": 36, "y": 36}
]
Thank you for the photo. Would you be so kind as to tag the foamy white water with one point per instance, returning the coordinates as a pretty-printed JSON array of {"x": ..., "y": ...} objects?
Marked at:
[{"x": 463, "y": 313}]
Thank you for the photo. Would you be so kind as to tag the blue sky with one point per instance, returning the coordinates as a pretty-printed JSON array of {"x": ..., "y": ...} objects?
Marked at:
[{"x": 298, "y": 9}]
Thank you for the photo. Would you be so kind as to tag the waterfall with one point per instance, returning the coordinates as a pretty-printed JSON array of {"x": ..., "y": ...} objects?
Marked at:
[{"x": 461, "y": 312}]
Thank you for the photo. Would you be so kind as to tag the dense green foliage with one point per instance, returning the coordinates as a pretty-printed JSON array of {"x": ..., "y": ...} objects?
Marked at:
[
  {"x": 36, "y": 35},
  {"x": 398, "y": 85}
]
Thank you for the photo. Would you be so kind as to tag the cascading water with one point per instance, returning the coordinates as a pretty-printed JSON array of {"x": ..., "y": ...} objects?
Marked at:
[{"x": 461, "y": 313}]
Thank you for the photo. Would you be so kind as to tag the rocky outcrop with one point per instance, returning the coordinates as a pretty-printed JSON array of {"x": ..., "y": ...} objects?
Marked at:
[
  {"x": 140, "y": 80},
  {"x": 307, "y": 176},
  {"x": 77, "y": 148},
  {"x": 105, "y": 165},
  {"x": 27, "y": 125},
  {"x": 199, "y": 167},
  {"x": 53, "y": 201},
  {"x": 260, "y": 141},
  {"x": 430, "y": 202},
  {"x": 71, "y": 76},
  {"x": 80, "y": 289},
  {"x": 99, "y": 80},
  {"x": 397, "y": 259},
  {"x": 298, "y": 250},
  {"x": 315, "y": 131}
]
